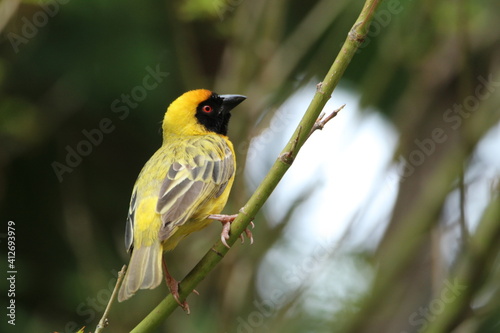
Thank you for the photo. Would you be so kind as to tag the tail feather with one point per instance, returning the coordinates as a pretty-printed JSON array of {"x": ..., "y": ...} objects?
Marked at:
[{"x": 144, "y": 271}]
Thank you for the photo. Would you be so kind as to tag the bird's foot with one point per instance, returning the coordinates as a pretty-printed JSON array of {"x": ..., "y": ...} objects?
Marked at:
[
  {"x": 173, "y": 286},
  {"x": 226, "y": 221}
]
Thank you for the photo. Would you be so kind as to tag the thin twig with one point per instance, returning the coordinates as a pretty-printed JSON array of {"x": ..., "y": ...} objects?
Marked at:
[
  {"x": 475, "y": 263},
  {"x": 320, "y": 122},
  {"x": 462, "y": 220},
  {"x": 104, "y": 320}
]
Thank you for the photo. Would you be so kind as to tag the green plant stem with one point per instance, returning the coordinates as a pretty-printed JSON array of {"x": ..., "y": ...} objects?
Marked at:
[
  {"x": 474, "y": 265},
  {"x": 104, "y": 319},
  {"x": 354, "y": 39}
]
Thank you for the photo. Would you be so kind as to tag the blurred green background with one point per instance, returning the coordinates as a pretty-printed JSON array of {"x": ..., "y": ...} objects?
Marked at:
[{"x": 78, "y": 76}]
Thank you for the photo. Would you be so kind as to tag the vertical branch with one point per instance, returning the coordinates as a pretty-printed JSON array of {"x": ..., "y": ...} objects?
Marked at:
[
  {"x": 104, "y": 319},
  {"x": 462, "y": 221},
  {"x": 473, "y": 266}
]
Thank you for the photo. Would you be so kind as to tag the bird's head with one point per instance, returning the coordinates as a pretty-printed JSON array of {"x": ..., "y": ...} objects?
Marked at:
[{"x": 198, "y": 112}]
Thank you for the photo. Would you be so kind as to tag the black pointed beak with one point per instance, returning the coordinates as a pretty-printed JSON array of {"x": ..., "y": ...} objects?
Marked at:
[{"x": 229, "y": 102}]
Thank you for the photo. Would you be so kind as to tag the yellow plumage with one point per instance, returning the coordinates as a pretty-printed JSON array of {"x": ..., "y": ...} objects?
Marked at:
[{"x": 185, "y": 181}]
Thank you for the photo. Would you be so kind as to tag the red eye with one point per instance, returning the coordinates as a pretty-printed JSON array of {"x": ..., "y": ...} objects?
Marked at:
[{"x": 207, "y": 108}]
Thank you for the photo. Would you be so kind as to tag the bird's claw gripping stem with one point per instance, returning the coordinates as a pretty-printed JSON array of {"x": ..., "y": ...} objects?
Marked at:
[{"x": 226, "y": 221}]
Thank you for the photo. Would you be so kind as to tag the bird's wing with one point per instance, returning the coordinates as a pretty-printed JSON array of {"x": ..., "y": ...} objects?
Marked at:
[
  {"x": 129, "y": 229},
  {"x": 189, "y": 183}
]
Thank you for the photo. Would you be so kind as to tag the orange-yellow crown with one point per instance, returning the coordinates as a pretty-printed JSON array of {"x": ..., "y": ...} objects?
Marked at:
[{"x": 180, "y": 116}]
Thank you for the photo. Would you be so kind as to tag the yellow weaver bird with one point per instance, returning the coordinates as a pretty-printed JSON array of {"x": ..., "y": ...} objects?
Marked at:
[{"x": 181, "y": 189}]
